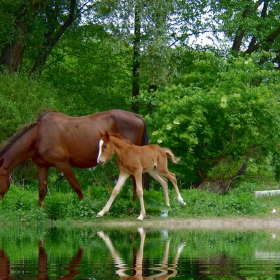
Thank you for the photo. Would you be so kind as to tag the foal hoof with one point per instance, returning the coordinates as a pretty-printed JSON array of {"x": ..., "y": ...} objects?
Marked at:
[{"x": 99, "y": 216}]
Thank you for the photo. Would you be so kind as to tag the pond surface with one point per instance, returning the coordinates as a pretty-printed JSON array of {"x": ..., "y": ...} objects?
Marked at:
[{"x": 137, "y": 253}]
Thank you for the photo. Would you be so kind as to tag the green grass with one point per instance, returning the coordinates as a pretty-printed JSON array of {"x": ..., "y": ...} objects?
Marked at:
[{"x": 20, "y": 204}]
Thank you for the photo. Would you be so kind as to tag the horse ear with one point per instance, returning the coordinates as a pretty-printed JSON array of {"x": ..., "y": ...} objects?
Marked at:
[
  {"x": 100, "y": 133},
  {"x": 107, "y": 134},
  {"x": 1, "y": 161}
]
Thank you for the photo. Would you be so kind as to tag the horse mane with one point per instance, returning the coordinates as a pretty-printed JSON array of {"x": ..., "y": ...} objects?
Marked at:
[
  {"x": 118, "y": 136},
  {"x": 21, "y": 131}
]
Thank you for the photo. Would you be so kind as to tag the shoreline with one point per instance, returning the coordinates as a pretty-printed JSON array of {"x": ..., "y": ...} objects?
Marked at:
[{"x": 239, "y": 223}]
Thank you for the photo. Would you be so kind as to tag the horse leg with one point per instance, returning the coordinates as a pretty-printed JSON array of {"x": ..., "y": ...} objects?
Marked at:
[
  {"x": 4, "y": 180},
  {"x": 69, "y": 174},
  {"x": 121, "y": 180},
  {"x": 43, "y": 183},
  {"x": 134, "y": 188},
  {"x": 172, "y": 178},
  {"x": 139, "y": 190},
  {"x": 163, "y": 183}
]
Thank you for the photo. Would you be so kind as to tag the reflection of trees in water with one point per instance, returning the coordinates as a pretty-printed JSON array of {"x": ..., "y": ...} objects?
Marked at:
[
  {"x": 142, "y": 255},
  {"x": 5, "y": 267},
  {"x": 219, "y": 265},
  {"x": 141, "y": 266}
]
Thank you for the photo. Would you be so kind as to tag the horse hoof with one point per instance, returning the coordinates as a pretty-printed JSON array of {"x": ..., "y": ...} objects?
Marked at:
[{"x": 98, "y": 216}]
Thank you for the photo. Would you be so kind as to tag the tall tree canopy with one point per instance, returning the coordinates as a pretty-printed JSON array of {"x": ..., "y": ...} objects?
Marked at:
[{"x": 157, "y": 58}]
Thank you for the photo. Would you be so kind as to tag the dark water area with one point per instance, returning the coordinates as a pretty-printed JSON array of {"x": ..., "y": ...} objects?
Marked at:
[{"x": 46, "y": 252}]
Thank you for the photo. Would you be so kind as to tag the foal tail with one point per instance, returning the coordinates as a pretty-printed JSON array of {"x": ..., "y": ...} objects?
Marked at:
[{"x": 170, "y": 154}]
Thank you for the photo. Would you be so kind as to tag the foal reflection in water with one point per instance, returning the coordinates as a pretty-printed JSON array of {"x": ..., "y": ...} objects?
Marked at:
[
  {"x": 164, "y": 267},
  {"x": 134, "y": 160}
]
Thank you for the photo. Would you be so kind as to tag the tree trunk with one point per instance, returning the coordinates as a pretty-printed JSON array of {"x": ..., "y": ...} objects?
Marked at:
[
  {"x": 221, "y": 185},
  {"x": 12, "y": 54},
  {"x": 53, "y": 35},
  {"x": 136, "y": 55}
]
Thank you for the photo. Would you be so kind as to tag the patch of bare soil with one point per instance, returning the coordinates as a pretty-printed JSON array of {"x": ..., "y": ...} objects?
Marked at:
[{"x": 239, "y": 223}]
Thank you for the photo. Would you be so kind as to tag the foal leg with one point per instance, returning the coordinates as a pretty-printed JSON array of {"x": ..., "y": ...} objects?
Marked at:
[
  {"x": 163, "y": 182},
  {"x": 172, "y": 178},
  {"x": 121, "y": 180},
  {"x": 139, "y": 190}
]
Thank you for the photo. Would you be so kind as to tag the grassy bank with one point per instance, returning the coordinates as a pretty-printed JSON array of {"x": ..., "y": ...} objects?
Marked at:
[{"x": 62, "y": 204}]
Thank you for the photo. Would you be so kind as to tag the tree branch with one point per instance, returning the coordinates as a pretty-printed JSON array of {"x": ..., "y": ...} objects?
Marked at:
[
  {"x": 240, "y": 30},
  {"x": 266, "y": 43}
]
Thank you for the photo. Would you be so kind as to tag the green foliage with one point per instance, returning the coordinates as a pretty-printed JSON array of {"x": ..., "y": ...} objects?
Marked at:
[
  {"x": 59, "y": 246},
  {"x": 21, "y": 100},
  {"x": 225, "y": 169},
  {"x": 92, "y": 68},
  {"x": 20, "y": 204},
  {"x": 236, "y": 116}
]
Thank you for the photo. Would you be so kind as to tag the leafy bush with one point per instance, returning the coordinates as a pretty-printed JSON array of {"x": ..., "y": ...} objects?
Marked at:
[
  {"x": 21, "y": 100},
  {"x": 236, "y": 116}
]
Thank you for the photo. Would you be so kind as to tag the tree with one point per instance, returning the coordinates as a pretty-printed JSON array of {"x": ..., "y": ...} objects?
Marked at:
[
  {"x": 251, "y": 26},
  {"x": 91, "y": 69},
  {"x": 136, "y": 53},
  {"x": 34, "y": 30},
  {"x": 15, "y": 34}
]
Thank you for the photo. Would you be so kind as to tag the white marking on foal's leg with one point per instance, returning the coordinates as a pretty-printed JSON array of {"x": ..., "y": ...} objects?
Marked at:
[
  {"x": 181, "y": 200},
  {"x": 139, "y": 190}
]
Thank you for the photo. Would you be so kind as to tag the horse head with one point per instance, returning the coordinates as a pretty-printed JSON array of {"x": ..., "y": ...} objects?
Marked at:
[
  {"x": 4, "y": 180},
  {"x": 106, "y": 148}
]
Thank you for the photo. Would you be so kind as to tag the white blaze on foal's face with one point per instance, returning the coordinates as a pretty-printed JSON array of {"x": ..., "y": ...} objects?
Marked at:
[{"x": 99, "y": 159}]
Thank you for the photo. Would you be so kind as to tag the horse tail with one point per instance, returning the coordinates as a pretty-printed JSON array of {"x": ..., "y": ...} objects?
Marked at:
[
  {"x": 170, "y": 154},
  {"x": 145, "y": 136}
]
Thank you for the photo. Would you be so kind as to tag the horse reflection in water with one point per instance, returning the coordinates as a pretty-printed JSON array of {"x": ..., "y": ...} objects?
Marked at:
[
  {"x": 138, "y": 265},
  {"x": 4, "y": 266},
  {"x": 42, "y": 265},
  {"x": 72, "y": 268}
]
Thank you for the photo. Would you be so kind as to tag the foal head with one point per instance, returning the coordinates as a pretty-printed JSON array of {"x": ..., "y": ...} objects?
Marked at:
[{"x": 106, "y": 148}]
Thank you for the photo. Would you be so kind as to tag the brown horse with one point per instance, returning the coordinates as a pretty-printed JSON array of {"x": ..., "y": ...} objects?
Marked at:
[
  {"x": 135, "y": 160},
  {"x": 58, "y": 140}
]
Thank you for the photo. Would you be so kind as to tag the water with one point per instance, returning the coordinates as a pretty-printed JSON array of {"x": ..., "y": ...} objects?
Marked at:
[{"x": 137, "y": 253}]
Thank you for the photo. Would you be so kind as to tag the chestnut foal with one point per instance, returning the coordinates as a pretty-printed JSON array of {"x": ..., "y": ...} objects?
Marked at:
[{"x": 134, "y": 160}]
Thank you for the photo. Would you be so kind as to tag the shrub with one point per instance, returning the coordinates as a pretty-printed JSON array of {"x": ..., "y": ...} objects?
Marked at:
[
  {"x": 21, "y": 100},
  {"x": 235, "y": 117}
]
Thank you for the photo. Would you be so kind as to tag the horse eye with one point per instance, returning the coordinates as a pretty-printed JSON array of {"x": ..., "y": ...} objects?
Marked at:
[{"x": 104, "y": 146}]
